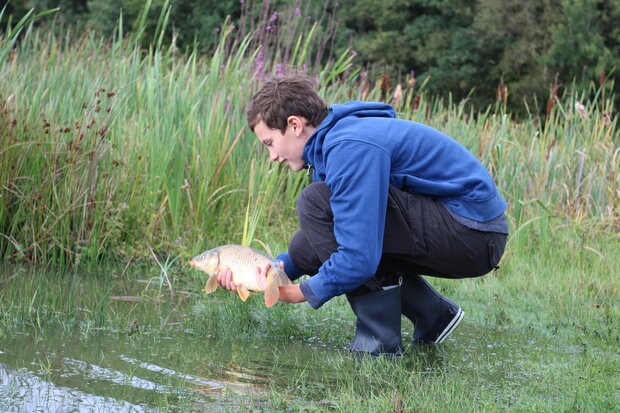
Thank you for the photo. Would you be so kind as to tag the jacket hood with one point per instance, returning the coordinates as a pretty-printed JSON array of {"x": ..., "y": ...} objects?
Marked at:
[{"x": 314, "y": 147}]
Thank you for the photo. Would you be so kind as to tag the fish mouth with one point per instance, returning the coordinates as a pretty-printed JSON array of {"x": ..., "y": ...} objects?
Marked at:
[{"x": 192, "y": 263}]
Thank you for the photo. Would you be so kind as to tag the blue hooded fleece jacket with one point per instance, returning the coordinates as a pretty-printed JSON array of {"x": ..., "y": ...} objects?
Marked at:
[{"x": 359, "y": 150}]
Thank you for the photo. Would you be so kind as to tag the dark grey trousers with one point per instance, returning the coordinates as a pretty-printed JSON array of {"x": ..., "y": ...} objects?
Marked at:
[{"x": 421, "y": 237}]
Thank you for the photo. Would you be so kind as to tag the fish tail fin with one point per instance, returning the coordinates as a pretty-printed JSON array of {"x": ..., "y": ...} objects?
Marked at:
[
  {"x": 211, "y": 284},
  {"x": 272, "y": 293}
]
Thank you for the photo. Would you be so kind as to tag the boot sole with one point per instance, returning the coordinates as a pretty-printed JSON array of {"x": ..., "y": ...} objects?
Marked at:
[{"x": 451, "y": 327}]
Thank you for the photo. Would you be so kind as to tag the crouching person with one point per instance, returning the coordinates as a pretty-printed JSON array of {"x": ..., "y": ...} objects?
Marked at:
[{"x": 391, "y": 199}]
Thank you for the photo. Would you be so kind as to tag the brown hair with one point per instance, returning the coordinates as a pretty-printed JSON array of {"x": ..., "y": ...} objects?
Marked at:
[{"x": 284, "y": 96}]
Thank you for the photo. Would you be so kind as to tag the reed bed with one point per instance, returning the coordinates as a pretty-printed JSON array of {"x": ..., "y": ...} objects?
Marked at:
[{"x": 108, "y": 149}]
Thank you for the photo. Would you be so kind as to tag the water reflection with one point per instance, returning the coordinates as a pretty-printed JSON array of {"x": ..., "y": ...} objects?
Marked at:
[
  {"x": 22, "y": 390},
  {"x": 62, "y": 372}
]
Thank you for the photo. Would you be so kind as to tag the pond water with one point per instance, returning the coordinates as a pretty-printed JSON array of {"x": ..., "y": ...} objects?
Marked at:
[
  {"x": 82, "y": 343},
  {"x": 126, "y": 347},
  {"x": 111, "y": 372}
]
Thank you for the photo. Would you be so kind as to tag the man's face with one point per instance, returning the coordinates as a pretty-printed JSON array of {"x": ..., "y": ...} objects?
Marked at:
[{"x": 287, "y": 147}]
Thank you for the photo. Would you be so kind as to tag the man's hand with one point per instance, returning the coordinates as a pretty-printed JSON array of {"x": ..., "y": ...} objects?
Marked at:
[
  {"x": 225, "y": 279},
  {"x": 261, "y": 275},
  {"x": 290, "y": 293}
]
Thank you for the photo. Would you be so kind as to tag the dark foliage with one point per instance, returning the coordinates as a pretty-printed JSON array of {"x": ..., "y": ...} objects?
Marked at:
[{"x": 465, "y": 49}]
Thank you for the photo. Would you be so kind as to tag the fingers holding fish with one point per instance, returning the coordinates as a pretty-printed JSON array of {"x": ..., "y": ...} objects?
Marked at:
[
  {"x": 261, "y": 275},
  {"x": 225, "y": 279}
]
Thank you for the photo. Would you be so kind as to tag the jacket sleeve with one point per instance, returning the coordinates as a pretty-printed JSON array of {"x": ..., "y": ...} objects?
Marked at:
[{"x": 357, "y": 174}]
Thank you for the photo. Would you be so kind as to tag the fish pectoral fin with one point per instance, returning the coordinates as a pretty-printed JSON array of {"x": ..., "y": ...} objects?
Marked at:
[
  {"x": 211, "y": 284},
  {"x": 243, "y": 293},
  {"x": 272, "y": 293}
]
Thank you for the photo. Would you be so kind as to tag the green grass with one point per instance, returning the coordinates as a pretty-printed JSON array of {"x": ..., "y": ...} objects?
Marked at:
[{"x": 110, "y": 154}]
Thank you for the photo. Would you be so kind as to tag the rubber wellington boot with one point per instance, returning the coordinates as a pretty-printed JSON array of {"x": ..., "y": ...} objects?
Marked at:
[
  {"x": 377, "y": 330},
  {"x": 434, "y": 317}
]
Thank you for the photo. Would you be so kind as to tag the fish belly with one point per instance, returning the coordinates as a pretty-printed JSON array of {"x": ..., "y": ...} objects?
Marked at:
[{"x": 245, "y": 276}]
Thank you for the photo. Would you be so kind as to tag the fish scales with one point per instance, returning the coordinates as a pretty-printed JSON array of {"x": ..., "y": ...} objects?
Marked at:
[{"x": 243, "y": 264}]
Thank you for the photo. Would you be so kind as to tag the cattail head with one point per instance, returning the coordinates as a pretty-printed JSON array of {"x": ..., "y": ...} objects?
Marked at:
[
  {"x": 384, "y": 85},
  {"x": 552, "y": 99},
  {"x": 501, "y": 93},
  {"x": 412, "y": 81}
]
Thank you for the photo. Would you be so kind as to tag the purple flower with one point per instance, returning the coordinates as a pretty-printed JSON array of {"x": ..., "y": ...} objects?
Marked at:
[
  {"x": 297, "y": 11},
  {"x": 268, "y": 28},
  {"x": 274, "y": 17},
  {"x": 217, "y": 30},
  {"x": 124, "y": 206},
  {"x": 279, "y": 69},
  {"x": 353, "y": 53}
]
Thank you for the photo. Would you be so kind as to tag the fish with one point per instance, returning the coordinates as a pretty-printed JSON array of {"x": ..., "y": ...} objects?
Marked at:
[{"x": 242, "y": 262}]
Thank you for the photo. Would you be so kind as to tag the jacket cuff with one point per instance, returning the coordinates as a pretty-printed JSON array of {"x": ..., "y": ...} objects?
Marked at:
[
  {"x": 310, "y": 296},
  {"x": 291, "y": 270}
]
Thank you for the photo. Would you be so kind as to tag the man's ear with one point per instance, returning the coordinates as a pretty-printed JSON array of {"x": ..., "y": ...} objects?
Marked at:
[{"x": 297, "y": 123}]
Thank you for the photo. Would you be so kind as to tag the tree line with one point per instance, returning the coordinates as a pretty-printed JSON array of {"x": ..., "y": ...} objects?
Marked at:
[{"x": 518, "y": 52}]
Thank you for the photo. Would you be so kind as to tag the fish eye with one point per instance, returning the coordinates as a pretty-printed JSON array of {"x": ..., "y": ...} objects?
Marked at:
[{"x": 202, "y": 257}]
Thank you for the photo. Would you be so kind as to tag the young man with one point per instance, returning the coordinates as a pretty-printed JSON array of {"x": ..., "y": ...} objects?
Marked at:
[{"x": 391, "y": 199}]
